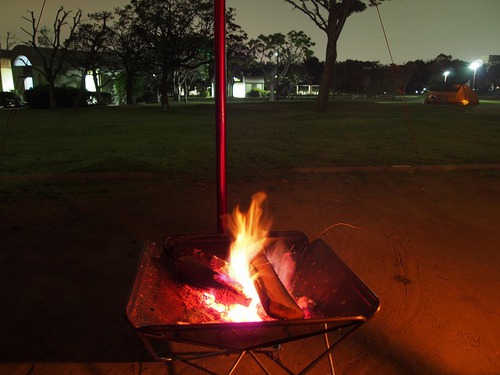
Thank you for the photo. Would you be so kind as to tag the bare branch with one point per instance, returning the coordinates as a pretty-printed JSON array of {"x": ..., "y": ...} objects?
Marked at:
[
  {"x": 54, "y": 57},
  {"x": 314, "y": 14}
]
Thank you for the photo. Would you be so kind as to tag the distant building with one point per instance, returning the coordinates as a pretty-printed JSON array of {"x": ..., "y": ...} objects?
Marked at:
[
  {"x": 6, "y": 77},
  {"x": 242, "y": 87},
  {"x": 18, "y": 71},
  {"x": 493, "y": 60},
  {"x": 305, "y": 89}
]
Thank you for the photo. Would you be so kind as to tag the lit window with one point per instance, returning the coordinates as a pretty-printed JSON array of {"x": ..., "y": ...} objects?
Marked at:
[
  {"x": 22, "y": 61},
  {"x": 28, "y": 83}
]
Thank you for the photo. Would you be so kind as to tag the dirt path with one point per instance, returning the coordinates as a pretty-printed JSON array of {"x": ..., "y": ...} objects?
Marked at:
[{"x": 426, "y": 242}]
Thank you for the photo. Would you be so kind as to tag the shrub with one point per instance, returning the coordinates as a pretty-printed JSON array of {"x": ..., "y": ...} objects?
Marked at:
[
  {"x": 148, "y": 97},
  {"x": 106, "y": 97},
  {"x": 38, "y": 97},
  {"x": 254, "y": 93},
  {"x": 10, "y": 100},
  {"x": 204, "y": 93}
]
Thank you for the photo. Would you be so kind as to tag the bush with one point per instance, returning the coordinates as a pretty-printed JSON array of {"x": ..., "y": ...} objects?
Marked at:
[
  {"x": 10, "y": 100},
  {"x": 254, "y": 93},
  {"x": 106, "y": 97},
  {"x": 38, "y": 97},
  {"x": 204, "y": 93},
  {"x": 148, "y": 97}
]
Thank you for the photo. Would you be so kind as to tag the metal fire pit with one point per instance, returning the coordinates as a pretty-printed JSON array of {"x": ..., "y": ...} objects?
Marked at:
[{"x": 343, "y": 302}]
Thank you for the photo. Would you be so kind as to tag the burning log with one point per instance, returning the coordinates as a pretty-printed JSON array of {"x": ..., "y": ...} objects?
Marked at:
[
  {"x": 196, "y": 273},
  {"x": 274, "y": 297},
  {"x": 219, "y": 265}
]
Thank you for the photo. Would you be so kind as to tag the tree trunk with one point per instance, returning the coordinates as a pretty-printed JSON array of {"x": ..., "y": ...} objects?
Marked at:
[
  {"x": 79, "y": 97},
  {"x": 177, "y": 89},
  {"x": 165, "y": 105},
  {"x": 52, "y": 95},
  {"x": 327, "y": 75},
  {"x": 185, "y": 92},
  {"x": 95, "y": 77},
  {"x": 271, "y": 90},
  {"x": 129, "y": 89},
  {"x": 276, "y": 97}
]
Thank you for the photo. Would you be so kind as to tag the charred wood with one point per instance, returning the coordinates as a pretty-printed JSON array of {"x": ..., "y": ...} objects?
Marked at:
[
  {"x": 195, "y": 273},
  {"x": 274, "y": 297}
]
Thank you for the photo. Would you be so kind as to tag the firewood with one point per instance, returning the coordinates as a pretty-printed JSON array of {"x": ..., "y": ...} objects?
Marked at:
[
  {"x": 274, "y": 297},
  {"x": 196, "y": 273},
  {"x": 219, "y": 265},
  {"x": 228, "y": 297}
]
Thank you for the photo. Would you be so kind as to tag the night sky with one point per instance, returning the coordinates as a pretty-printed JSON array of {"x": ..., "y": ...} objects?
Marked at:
[{"x": 416, "y": 29}]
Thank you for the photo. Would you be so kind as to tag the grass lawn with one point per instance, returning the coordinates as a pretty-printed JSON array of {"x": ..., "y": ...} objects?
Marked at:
[
  {"x": 425, "y": 242},
  {"x": 263, "y": 138}
]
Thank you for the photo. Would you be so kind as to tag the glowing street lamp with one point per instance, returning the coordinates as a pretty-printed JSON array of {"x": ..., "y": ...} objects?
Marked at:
[
  {"x": 446, "y": 74},
  {"x": 474, "y": 66}
]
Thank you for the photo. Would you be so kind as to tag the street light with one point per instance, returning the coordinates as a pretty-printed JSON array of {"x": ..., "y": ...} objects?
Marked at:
[
  {"x": 474, "y": 66},
  {"x": 446, "y": 74}
]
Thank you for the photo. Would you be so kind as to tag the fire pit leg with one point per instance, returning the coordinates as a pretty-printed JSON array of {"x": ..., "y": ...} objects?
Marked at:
[
  {"x": 151, "y": 350},
  {"x": 235, "y": 364},
  {"x": 329, "y": 349},
  {"x": 327, "y": 343},
  {"x": 259, "y": 362},
  {"x": 255, "y": 358}
]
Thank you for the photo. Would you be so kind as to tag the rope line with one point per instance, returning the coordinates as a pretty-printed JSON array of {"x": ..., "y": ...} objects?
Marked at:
[{"x": 402, "y": 95}]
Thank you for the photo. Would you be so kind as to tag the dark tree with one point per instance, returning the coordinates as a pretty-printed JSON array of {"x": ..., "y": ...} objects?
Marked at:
[
  {"x": 458, "y": 70},
  {"x": 130, "y": 49},
  {"x": 492, "y": 78},
  {"x": 179, "y": 33},
  {"x": 275, "y": 54},
  {"x": 418, "y": 75},
  {"x": 330, "y": 16},
  {"x": 314, "y": 68},
  {"x": 238, "y": 59},
  {"x": 184, "y": 78},
  {"x": 54, "y": 56},
  {"x": 407, "y": 72},
  {"x": 356, "y": 77},
  {"x": 90, "y": 44},
  {"x": 296, "y": 74},
  {"x": 238, "y": 54}
]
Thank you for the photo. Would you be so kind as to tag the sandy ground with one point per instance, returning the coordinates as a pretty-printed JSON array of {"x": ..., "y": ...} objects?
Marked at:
[{"x": 427, "y": 243}]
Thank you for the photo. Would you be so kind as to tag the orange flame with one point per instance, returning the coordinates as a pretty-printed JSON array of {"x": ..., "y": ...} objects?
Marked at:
[{"x": 250, "y": 232}]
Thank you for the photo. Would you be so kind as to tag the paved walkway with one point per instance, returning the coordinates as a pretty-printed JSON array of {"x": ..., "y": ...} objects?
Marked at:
[{"x": 400, "y": 168}]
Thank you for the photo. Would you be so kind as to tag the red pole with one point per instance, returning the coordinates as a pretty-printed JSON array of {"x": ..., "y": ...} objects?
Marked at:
[{"x": 220, "y": 111}]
